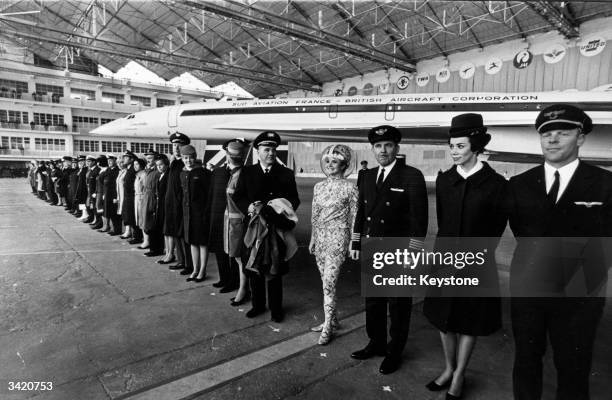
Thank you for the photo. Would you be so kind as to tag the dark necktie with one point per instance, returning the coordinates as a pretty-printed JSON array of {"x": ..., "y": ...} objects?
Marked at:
[
  {"x": 380, "y": 180},
  {"x": 554, "y": 190}
]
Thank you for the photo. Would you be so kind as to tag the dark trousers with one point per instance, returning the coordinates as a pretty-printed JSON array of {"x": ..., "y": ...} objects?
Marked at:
[
  {"x": 228, "y": 270},
  {"x": 570, "y": 324},
  {"x": 275, "y": 292},
  {"x": 400, "y": 309}
]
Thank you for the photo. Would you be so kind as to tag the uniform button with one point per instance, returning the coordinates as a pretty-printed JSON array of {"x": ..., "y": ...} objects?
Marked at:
[
  {"x": 368, "y": 218},
  {"x": 365, "y": 201},
  {"x": 387, "y": 203},
  {"x": 367, "y": 236},
  {"x": 382, "y": 221}
]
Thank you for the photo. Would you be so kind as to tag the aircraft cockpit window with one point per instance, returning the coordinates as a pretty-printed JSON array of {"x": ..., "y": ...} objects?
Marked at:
[{"x": 131, "y": 116}]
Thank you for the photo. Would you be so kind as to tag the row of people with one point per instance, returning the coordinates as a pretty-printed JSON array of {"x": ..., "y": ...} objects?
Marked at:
[{"x": 256, "y": 207}]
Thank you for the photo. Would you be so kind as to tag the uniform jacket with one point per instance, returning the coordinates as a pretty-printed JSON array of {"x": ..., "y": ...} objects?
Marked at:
[
  {"x": 173, "y": 216},
  {"x": 90, "y": 179},
  {"x": 561, "y": 249},
  {"x": 127, "y": 207},
  {"x": 149, "y": 199},
  {"x": 217, "y": 198},
  {"x": 253, "y": 185},
  {"x": 195, "y": 184},
  {"x": 399, "y": 209},
  {"x": 80, "y": 193},
  {"x": 468, "y": 208},
  {"x": 160, "y": 204},
  {"x": 109, "y": 191},
  {"x": 100, "y": 189}
]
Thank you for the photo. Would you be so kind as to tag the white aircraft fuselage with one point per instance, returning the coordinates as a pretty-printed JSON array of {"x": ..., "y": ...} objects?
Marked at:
[{"x": 422, "y": 118}]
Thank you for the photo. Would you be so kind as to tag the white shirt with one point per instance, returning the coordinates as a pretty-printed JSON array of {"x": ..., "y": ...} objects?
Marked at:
[
  {"x": 466, "y": 174},
  {"x": 264, "y": 168},
  {"x": 565, "y": 174},
  {"x": 388, "y": 169}
]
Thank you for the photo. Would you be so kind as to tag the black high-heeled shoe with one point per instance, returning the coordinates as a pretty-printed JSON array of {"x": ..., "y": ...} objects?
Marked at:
[
  {"x": 434, "y": 387},
  {"x": 235, "y": 303}
]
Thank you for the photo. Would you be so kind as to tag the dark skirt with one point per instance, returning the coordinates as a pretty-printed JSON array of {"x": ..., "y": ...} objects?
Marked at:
[{"x": 474, "y": 316}]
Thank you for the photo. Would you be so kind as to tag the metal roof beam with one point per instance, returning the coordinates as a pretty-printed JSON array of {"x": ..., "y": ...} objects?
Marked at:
[
  {"x": 277, "y": 80},
  {"x": 305, "y": 33},
  {"x": 555, "y": 18},
  {"x": 92, "y": 46}
]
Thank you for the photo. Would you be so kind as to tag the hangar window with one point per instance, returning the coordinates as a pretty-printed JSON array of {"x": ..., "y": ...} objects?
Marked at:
[
  {"x": 50, "y": 144},
  {"x": 42, "y": 88},
  {"x": 164, "y": 148},
  {"x": 86, "y": 145},
  {"x": 105, "y": 120},
  {"x": 109, "y": 97},
  {"x": 17, "y": 86},
  {"x": 48, "y": 119},
  {"x": 142, "y": 100},
  {"x": 138, "y": 147},
  {"x": 14, "y": 116},
  {"x": 82, "y": 93},
  {"x": 165, "y": 102}
]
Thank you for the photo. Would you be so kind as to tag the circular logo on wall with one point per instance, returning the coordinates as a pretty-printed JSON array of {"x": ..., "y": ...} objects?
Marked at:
[
  {"x": 338, "y": 92},
  {"x": 403, "y": 82},
  {"x": 522, "y": 59},
  {"x": 383, "y": 87},
  {"x": 493, "y": 66},
  {"x": 422, "y": 79},
  {"x": 352, "y": 91},
  {"x": 592, "y": 46},
  {"x": 443, "y": 75},
  {"x": 368, "y": 89},
  {"x": 467, "y": 71},
  {"x": 554, "y": 53}
]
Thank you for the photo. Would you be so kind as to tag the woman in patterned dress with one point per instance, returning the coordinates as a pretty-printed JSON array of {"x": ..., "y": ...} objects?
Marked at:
[{"x": 334, "y": 206}]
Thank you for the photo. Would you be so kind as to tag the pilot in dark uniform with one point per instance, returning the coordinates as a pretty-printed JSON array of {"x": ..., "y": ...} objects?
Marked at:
[
  {"x": 256, "y": 186},
  {"x": 561, "y": 216},
  {"x": 392, "y": 203},
  {"x": 92, "y": 173}
]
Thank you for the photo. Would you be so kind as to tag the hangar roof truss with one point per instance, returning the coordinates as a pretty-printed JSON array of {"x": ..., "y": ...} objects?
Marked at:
[{"x": 274, "y": 46}]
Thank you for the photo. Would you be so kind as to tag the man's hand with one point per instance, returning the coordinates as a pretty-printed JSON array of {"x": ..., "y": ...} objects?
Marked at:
[
  {"x": 311, "y": 247},
  {"x": 253, "y": 207},
  {"x": 354, "y": 254}
]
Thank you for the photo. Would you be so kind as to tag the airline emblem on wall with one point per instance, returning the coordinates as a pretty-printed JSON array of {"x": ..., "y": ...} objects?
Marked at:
[
  {"x": 592, "y": 46},
  {"x": 338, "y": 92},
  {"x": 368, "y": 89},
  {"x": 467, "y": 71},
  {"x": 383, "y": 87},
  {"x": 554, "y": 53},
  {"x": 403, "y": 82},
  {"x": 493, "y": 66},
  {"x": 352, "y": 91},
  {"x": 422, "y": 79},
  {"x": 522, "y": 59},
  {"x": 443, "y": 75}
]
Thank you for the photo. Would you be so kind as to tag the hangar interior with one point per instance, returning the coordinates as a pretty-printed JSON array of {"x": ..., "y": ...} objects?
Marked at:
[{"x": 323, "y": 48}]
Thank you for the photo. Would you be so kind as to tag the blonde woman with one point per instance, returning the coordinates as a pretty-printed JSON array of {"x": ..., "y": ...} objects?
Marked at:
[{"x": 334, "y": 206}]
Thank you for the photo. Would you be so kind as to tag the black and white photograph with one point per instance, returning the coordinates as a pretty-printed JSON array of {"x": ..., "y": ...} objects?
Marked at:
[{"x": 305, "y": 199}]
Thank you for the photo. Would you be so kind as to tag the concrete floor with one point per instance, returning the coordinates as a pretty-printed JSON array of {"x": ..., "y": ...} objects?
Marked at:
[{"x": 91, "y": 314}]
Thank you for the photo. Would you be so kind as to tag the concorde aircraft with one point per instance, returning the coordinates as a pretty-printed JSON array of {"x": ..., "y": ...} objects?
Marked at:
[{"x": 423, "y": 118}]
